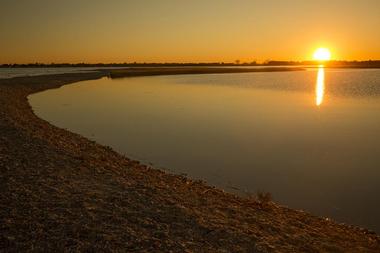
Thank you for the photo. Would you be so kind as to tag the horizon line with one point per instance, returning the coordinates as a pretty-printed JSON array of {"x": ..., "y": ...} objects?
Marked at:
[{"x": 237, "y": 62}]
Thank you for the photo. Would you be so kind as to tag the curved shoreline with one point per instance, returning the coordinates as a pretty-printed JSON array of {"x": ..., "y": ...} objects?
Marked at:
[{"x": 60, "y": 190}]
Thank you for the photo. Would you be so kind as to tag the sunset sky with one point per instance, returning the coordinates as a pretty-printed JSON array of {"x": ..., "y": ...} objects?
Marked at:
[{"x": 186, "y": 31}]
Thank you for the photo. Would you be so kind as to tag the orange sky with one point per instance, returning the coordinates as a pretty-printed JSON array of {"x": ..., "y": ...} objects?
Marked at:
[{"x": 186, "y": 31}]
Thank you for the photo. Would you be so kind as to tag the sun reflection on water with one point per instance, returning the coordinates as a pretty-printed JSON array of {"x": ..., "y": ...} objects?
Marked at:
[{"x": 320, "y": 86}]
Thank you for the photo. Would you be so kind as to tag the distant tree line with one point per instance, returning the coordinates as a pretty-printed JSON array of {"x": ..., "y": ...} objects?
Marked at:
[
  {"x": 359, "y": 64},
  {"x": 331, "y": 64},
  {"x": 133, "y": 64}
]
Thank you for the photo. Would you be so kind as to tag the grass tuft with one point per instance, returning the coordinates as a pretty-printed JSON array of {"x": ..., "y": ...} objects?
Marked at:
[{"x": 264, "y": 197}]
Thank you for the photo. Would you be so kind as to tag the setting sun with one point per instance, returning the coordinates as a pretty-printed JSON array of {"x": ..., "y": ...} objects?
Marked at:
[{"x": 322, "y": 54}]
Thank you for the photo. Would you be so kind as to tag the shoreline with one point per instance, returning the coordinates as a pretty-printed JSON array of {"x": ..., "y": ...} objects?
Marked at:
[
  {"x": 121, "y": 73},
  {"x": 61, "y": 190}
]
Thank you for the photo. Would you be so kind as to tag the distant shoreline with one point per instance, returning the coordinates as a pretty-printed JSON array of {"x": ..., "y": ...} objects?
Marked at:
[
  {"x": 332, "y": 64},
  {"x": 60, "y": 190},
  {"x": 119, "y": 73}
]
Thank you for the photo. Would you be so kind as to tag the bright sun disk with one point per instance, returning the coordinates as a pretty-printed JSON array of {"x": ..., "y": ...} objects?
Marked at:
[{"x": 322, "y": 54}]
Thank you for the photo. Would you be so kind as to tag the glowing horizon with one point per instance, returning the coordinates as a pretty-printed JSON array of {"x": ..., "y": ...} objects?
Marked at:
[{"x": 176, "y": 31}]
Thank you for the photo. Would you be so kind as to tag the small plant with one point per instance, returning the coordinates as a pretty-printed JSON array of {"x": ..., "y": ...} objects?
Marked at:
[
  {"x": 264, "y": 197},
  {"x": 260, "y": 197}
]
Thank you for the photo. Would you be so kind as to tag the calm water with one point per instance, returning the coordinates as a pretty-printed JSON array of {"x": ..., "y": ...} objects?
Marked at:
[
  {"x": 311, "y": 138},
  {"x": 16, "y": 72}
]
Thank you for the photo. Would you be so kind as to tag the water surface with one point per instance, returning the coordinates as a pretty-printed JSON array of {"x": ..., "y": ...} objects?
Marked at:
[
  {"x": 311, "y": 138},
  {"x": 31, "y": 71}
]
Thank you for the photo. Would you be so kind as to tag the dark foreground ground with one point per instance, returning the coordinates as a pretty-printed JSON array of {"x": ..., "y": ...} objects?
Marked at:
[{"x": 60, "y": 191}]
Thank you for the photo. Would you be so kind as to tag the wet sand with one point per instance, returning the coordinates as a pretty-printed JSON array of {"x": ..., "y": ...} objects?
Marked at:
[{"x": 59, "y": 190}]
